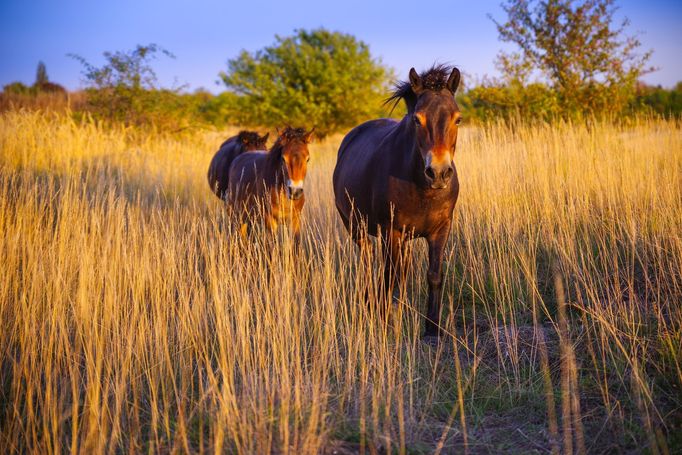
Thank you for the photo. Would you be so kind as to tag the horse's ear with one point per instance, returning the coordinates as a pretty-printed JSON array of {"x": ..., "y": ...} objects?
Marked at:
[
  {"x": 453, "y": 80},
  {"x": 308, "y": 136},
  {"x": 415, "y": 81},
  {"x": 265, "y": 138}
]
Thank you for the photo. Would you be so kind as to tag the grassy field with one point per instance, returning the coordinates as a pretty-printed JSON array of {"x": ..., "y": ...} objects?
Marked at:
[{"x": 135, "y": 318}]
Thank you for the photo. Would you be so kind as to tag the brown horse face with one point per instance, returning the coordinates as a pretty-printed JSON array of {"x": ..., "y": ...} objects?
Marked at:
[
  {"x": 436, "y": 119},
  {"x": 295, "y": 157}
]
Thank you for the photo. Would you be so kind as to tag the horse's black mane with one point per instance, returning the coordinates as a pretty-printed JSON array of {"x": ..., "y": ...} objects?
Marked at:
[{"x": 434, "y": 79}]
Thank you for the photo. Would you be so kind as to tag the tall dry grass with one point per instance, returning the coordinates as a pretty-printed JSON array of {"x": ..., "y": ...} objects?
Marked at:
[
  {"x": 135, "y": 318},
  {"x": 45, "y": 101}
]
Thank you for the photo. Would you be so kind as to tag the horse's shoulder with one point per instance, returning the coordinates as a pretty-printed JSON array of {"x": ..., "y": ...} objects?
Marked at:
[{"x": 377, "y": 127}]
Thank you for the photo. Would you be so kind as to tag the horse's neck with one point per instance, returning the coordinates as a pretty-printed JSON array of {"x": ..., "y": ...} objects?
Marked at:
[
  {"x": 411, "y": 163},
  {"x": 273, "y": 174}
]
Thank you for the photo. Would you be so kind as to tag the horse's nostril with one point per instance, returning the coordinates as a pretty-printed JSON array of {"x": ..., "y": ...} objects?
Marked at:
[
  {"x": 448, "y": 173},
  {"x": 429, "y": 173},
  {"x": 295, "y": 193}
]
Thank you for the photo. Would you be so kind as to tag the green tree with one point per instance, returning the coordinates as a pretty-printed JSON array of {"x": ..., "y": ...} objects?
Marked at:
[
  {"x": 41, "y": 75},
  {"x": 43, "y": 84},
  {"x": 590, "y": 61},
  {"x": 316, "y": 78}
]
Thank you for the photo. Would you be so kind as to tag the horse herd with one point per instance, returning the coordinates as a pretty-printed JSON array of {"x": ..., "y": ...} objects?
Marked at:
[{"x": 393, "y": 179}]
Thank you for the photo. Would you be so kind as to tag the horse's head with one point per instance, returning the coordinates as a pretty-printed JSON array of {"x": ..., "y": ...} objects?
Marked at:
[
  {"x": 292, "y": 145},
  {"x": 250, "y": 140},
  {"x": 435, "y": 116}
]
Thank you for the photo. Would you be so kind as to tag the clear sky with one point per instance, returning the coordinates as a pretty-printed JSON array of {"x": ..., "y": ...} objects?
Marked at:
[{"x": 204, "y": 34}]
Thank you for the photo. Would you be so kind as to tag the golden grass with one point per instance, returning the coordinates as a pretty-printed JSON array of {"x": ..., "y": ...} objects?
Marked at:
[
  {"x": 45, "y": 101},
  {"x": 135, "y": 318}
]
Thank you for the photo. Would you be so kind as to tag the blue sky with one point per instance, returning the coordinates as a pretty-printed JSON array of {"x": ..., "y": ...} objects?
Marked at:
[{"x": 204, "y": 34}]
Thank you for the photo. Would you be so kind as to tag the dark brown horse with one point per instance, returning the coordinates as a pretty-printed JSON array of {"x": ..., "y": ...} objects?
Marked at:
[
  {"x": 274, "y": 179},
  {"x": 398, "y": 180},
  {"x": 218, "y": 171}
]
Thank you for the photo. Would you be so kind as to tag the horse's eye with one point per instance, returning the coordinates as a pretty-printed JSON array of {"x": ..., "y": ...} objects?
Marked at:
[
  {"x": 417, "y": 121},
  {"x": 458, "y": 121}
]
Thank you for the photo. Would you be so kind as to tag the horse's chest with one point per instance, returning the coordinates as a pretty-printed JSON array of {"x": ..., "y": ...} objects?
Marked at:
[
  {"x": 282, "y": 209},
  {"x": 418, "y": 210}
]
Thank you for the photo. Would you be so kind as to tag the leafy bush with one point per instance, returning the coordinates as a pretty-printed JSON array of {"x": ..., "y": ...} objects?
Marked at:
[
  {"x": 315, "y": 78},
  {"x": 589, "y": 61},
  {"x": 126, "y": 90},
  {"x": 491, "y": 100},
  {"x": 497, "y": 99},
  {"x": 16, "y": 88},
  {"x": 659, "y": 100}
]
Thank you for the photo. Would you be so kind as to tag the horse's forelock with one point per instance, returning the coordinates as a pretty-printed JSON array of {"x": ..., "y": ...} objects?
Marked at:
[
  {"x": 290, "y": 134},
  {"x": 435, "y": 79},
  {"x": 285, "y": 137}
]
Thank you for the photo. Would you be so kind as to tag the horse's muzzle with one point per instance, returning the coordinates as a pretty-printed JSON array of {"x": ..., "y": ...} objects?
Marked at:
[
  {"x": 294, "y": 193},
  {"x": 439, "y": 176}
]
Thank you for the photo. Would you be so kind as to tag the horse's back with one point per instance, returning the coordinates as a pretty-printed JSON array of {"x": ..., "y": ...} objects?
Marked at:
[
  {"x": 359, "y": 147},
  {"x": 218, "y": 170},
  {"x": 244, "y": 170},
  {"x": 359, "y": 138}
]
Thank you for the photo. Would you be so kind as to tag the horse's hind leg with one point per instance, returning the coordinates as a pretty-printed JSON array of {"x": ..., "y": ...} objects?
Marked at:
[
  {"x": 437, "y": 241},
  {"x": 354, "y": 228},
  {"x": 360, "y": 237}
]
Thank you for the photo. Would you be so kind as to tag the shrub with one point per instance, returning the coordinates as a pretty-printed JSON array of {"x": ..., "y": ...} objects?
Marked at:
[
  {"x": 315, "y": 78},
  {"x": 126, "y": 90}
]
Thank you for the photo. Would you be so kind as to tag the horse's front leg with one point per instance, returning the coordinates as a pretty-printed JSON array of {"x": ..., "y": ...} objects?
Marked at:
[
  {"x": 272, "y": 224},
  {"x": 393, "y": 264},
  {"x": 437, "y": 241},
  {"x": 296, "y": 228}
]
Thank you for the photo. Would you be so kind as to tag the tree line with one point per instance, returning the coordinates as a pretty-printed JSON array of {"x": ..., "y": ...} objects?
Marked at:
[{"x": 573, "y": 61}]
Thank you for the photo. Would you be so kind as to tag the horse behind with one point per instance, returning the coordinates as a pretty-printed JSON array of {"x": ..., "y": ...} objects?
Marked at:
[
  {"x": 271, "y": 183},
  {"x": 398, "y": 179},
  {"x": 218, "y": 171}
]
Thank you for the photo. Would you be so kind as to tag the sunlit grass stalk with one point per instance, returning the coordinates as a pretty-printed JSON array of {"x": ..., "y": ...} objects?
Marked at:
[{"x": 136, "y": 318}]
